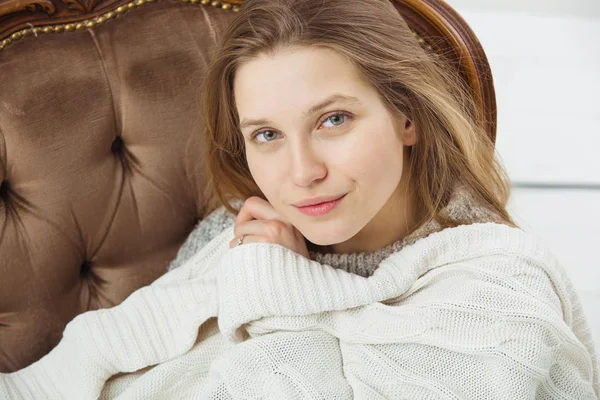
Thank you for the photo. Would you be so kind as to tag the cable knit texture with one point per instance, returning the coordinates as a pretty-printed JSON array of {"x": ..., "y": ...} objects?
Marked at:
[{"x": 480, "y": 311}]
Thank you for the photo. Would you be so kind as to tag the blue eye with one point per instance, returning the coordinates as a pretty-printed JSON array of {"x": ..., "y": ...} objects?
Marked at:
[
  {"x": 268, "y": 135},
  {"x": 336, "y": 119}
]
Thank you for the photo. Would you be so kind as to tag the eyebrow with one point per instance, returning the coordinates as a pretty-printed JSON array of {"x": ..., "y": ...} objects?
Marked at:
[{"x": 315, "y": 108}]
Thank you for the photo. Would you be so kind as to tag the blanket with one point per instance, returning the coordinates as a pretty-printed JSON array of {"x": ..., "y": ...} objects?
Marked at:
[{"x": 480, "y": 311}]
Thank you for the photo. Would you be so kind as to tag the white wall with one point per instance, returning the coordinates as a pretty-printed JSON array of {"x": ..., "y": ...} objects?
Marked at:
[
  {"x": 545, "y": 59},
  {"x": 561, "y": 8},
  {"x": 546, "y": 68}
]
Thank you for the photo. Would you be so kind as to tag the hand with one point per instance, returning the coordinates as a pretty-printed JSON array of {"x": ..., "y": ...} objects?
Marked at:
[{"x": 258, "y": 222}]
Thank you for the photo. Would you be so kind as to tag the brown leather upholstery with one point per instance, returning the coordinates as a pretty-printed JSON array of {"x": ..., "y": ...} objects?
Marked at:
[{"x": 100, "y": 157}]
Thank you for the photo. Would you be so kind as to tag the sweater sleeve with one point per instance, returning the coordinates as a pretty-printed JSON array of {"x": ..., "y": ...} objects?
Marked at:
[
  {"x": 437, "y": 319},
  {"x": 154, "y": 324}
]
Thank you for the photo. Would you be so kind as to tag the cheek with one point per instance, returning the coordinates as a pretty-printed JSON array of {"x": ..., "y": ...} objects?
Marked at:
[
  {"x": 266, "y": 177},
  {"x": 373, "y": 156}
]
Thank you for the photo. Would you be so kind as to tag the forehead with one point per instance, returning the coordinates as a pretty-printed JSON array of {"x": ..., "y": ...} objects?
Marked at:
[{"x": 294, "y": 79}]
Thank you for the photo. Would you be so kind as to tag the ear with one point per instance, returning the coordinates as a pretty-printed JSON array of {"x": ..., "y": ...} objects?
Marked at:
[{"x": 409, "y": 136}]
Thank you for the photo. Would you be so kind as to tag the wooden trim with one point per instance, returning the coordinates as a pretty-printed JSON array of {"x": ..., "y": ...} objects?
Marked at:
[
  {"x": 443, "y": 29},
  {"x": 20, "y": 18}
]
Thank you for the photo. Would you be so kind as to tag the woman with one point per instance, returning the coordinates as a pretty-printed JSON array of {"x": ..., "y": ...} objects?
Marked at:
[{"x": 372, "y": 256}]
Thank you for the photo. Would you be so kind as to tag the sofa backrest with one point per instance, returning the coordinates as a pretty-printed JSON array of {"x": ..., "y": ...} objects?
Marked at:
[{"x": 101, "y": 150}]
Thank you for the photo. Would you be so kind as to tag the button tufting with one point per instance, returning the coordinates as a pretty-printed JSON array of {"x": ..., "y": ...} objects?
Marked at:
[
  {"x": 117, "y": 145},
  {"x": 86, "y": 267},
  {"x": 4, "y": 189}
]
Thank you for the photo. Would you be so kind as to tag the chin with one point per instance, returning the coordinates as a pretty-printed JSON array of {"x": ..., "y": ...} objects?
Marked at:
[
  {"x": 320, "y": 241},
  {"x": 326, "y": 237}
]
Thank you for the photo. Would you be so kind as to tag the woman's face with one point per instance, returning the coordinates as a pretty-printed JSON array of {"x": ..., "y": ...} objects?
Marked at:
[{"x": 313, "y": 128}]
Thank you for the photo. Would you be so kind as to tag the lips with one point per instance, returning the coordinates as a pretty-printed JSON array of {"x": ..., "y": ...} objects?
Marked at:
[
  {"x": 317, "y": 200},
  {"x": 320, "y": 208}
]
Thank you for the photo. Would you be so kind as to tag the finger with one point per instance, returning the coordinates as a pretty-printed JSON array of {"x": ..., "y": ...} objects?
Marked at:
[
  {"x": 255, "y": 227},
  {"x": 257, "y": 208},
  {"x": 247, "y": 239},
  {"x": 269, "y": 229}
]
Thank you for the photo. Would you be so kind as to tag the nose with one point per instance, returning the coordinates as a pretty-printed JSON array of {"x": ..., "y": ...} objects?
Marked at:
[{"x": 308, "y": 166}]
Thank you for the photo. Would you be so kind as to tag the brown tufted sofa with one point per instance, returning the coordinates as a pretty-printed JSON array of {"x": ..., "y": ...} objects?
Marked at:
[{"x": 101, "y": 149}]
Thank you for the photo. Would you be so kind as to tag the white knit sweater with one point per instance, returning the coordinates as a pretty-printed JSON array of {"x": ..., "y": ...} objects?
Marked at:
[{"x": 480, "y": 311}]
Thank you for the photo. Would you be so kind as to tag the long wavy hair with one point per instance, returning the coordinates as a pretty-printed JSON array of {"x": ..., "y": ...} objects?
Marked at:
[{"x": 452, "y": 147}]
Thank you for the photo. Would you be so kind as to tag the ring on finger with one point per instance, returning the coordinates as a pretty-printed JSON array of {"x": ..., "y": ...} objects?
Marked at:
[{"x": 240, "y": 240}]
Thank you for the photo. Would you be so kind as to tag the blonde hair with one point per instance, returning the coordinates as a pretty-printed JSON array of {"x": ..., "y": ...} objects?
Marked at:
[{"x": 452, "y": 147}]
